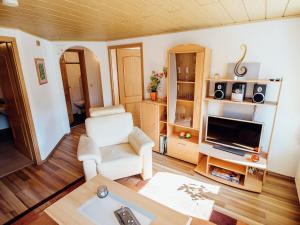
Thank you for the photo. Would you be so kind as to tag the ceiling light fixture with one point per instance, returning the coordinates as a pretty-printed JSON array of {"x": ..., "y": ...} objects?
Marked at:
[{"x": 11, "y": 3}]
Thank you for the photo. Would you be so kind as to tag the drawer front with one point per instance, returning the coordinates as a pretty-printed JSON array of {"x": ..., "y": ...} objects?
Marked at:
[{"x": 183, "y": 150}]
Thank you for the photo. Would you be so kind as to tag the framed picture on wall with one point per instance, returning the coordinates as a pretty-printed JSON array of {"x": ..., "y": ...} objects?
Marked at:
[{"x": 41, "y": 70}]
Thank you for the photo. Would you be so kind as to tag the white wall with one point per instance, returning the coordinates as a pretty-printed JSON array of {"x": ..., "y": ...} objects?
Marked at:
[
  {"x": 45, "y": 100},
  {"x": 274, "y": 44}
]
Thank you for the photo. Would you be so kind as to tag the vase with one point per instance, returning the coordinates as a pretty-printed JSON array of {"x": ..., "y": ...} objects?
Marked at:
[{"x": 153, "y": 96}]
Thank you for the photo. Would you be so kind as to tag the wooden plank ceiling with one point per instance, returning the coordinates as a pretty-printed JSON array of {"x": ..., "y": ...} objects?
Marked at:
[{"x": 104, "y": 20}]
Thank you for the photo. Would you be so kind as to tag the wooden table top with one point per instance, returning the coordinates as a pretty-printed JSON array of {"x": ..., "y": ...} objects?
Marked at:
[{"x": 65, "y": 211}]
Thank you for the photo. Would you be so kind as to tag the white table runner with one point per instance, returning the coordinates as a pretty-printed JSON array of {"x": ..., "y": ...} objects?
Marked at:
[{"x": 101, "y": 211}]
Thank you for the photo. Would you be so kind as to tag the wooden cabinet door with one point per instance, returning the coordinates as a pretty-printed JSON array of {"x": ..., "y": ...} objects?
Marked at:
[
  {"x": 130, "y": 81},
  {"x": 182, "y": 149},
  {"x": 198, "y": 89},
  {"x": 150, "y": 122}
]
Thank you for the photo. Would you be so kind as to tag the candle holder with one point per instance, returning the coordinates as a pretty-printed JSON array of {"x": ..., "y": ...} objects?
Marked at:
[{"x": 102, "y": 191}]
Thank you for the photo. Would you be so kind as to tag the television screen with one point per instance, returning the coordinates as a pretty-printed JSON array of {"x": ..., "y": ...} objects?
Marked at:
[{"x": 239, "y": 134}]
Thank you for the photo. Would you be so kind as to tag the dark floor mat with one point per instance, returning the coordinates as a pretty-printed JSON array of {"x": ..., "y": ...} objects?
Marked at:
[{"x": 78, "y": 119}]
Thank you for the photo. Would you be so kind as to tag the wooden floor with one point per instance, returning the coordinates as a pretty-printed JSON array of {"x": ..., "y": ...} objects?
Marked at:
[
  {"x": 11, "y": 159},
  {"x": 277, "y": 204},
  {"x": 25, "y": 188}
]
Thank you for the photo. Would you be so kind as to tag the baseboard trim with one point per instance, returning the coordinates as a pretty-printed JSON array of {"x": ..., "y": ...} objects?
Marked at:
[
  {"x": 53, "y": 150},
  {"x": 281, "y": 176},
  {"x": 298, "y": 188}
]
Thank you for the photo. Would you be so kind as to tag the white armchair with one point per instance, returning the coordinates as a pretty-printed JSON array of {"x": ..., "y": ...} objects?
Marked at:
[{"x": 114, "y": 148}]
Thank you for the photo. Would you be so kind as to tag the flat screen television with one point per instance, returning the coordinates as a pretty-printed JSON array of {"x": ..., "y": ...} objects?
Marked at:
[{"x": 237, "y": 134}]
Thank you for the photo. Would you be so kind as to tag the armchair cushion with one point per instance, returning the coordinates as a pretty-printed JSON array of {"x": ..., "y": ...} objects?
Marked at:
[
  {"x": 87, "y": 150},
  {"x": 109, "y": 130},
  {"x": 119, "y": 161},
  {"x": 140, "y": 141}
]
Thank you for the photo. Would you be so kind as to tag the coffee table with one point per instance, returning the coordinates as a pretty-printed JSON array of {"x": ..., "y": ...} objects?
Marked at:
[{"x": 68, "y": 210}]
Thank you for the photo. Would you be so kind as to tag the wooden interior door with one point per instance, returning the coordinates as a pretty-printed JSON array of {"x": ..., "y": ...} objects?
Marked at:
[
  {"x": 130, "y": 81},
  {"x": 64, "y": 76},
  {"x": 12, "y": 98}
]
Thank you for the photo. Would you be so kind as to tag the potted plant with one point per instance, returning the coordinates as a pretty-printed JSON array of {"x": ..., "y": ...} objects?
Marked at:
[{"x": 154, "y": 84}]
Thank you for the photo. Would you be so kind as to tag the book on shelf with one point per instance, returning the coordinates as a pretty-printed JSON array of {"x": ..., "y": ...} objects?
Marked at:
[
  {"x": 163, "y": 144},
  {"x": 226, "y": 175}
]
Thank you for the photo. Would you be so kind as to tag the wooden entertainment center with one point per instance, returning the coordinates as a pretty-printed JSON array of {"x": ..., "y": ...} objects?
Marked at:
[{"x": 186, "y": 110}]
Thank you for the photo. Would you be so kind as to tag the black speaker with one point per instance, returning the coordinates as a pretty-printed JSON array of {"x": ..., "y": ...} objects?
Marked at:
[
  {"x": 238, "y": 92},
  {"x": 259, "y": 93},
  {"x": 220, "y": 90}
]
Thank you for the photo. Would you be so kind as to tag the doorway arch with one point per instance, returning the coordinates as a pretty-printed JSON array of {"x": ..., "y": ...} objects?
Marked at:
[{"x": 82, "y": 84}]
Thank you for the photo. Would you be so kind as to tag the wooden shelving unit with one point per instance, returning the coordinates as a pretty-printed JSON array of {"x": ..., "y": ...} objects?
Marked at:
[
  {"x": 186, "y": 110},
  {"x": 188, "y": 64},
  {"x": 154, "y": 120},
  {"x": 210, "y": 157}
]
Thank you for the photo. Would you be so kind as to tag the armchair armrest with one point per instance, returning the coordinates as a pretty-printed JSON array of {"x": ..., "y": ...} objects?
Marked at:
[
  {"x": 87, "y": 150},
  {"x": 140, "y": 142}
]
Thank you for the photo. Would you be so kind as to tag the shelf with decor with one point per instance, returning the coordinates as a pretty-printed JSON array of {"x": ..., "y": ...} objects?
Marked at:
[
  {"x": 209, "y": 150},
  {"x": 246, "y": 101},
  {"x": 193, "y": 139},
  {"x": 231, "y": 80}
]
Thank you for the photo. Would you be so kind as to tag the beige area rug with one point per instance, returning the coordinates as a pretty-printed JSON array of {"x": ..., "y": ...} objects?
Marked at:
[
  {"x": 11, "y": 159},
  {"x": 181, "y": 194}
]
